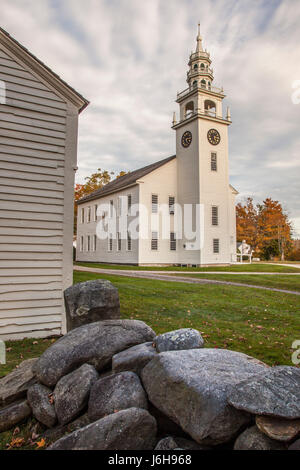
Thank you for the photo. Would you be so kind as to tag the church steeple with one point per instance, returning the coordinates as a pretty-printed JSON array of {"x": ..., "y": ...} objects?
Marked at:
[
  {"x": 199, "y": 40},
  {"x": 200, "y": 73}
]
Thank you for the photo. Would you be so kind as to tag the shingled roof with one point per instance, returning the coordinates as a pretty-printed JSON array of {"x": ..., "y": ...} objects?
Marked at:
[{"x": 125, "y": 181}]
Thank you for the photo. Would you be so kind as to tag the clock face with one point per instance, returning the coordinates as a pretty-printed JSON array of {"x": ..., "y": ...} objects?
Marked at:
[
  {"x": 214, "y": 137},
  {"x": 186, "y": 139}
]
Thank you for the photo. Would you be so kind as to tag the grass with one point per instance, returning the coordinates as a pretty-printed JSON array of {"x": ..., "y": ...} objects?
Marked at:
[
  {"x": 18, "y": 351},
  {"x": 260, "y": 323},
  {"x": 291, "y": 283},
  {"x": 258, "y": 267}
]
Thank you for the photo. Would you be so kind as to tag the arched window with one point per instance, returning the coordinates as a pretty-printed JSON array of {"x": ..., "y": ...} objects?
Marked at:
[
  {"x": 203, "y": 83},
  {"x": 189, "y": 109},
  {"x": 195, "y": 84},
  {"x": 210, "y": 107},
  {"x": 209, "y": 85},
  {"x": 196, "y": 67},
  {"x": 202, "y": 66}
]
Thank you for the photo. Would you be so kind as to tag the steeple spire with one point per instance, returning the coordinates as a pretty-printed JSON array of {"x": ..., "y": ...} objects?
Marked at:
[{"x": 199, "y": 40}]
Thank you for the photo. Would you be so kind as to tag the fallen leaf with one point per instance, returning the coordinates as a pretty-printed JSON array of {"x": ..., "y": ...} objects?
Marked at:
[{"x": 40, "y": 444}]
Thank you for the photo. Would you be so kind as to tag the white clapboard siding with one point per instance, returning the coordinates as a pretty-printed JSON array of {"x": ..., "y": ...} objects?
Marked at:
[{"x": 33, "y": 127}]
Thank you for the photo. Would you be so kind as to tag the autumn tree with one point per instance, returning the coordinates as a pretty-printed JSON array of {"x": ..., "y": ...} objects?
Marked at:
[
  {"x": 266, "y": 227},
  {"x": 93, "y": 182}
]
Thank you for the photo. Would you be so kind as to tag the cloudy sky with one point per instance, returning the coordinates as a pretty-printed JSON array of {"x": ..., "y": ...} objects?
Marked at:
[{"x": 129, "y": 58}]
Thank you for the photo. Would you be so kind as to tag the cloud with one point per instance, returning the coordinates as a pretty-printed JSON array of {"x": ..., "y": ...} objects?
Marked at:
[{"x": 129, "y": 58}]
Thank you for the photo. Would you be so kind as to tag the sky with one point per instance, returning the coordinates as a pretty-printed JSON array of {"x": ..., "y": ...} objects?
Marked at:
[{"x": 129, "y": 59}]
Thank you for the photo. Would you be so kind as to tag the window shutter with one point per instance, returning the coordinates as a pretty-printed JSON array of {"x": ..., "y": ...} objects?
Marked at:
[
  {"x": 119, "y": 242},
  {"x": 129, "y": 202},
  {"x": 171, "y": 205},
  {"x": 154, "y": 241},
  {"x": 214, "y": 162},
  {"x": 215, "y": 215},
  {"x": 154, "y": 203},
  {"x": 216, "y": 245},
  {"x": 82, "y": 215},
  {"x": 129, "y": 243},
  {"x": 172, "y": 241}
]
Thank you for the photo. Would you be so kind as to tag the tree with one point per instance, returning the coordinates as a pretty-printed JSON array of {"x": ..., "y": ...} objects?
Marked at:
[
  {"x": 96, "y": 181},
  {"x": 266, "y": 227}
]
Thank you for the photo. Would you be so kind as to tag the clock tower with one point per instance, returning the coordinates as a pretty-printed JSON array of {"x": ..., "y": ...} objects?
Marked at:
[{"x": 202, "y": 165}]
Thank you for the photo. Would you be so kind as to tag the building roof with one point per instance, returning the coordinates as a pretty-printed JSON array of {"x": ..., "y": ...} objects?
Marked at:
[
  {"x": 122, "y": 182},
  {"x": 42, "y": 69}
]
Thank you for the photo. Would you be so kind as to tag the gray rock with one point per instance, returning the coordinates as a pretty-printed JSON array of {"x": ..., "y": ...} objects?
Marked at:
[
  {"x": 53, "y": 434},
  {"x": 72, "y": 393},
  {"x": 93, "y": 344},
  {"x": 191, "y": 388},
  {"x": 15, "y": 385},
  {"x": 284, "y": 430},
  {"x": 186, "y": 338},
  {"x": 39, "y": 398},
  {"x": 165, "y": 426},
  {"x": 295, "y": 445},
  {"x": 91, "y": 301},
  {"x": 14, "y": 414},
  {"x": 115, "y": 393},
  {"x": 275, "y": 392},
  {"x": 134, "y": 359},
  {"x": 253, "y": 439},
  {"x": 132, "y": 429},
  {"x": 175, "y": 443}
]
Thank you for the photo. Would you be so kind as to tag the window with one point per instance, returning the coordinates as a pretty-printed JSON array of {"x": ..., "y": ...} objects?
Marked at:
[
  {"x": 95, "y": 243},
  {"x": 215, "y": 215},
  {"x": 172, "y": 241},
  {"x": 82, "y": 215},
  {"x": 129, "y": 203},
  {"x": 110, "y": 244},
  {"x": 111, "y": 209},
  {"x": 89, "y": 215},
  {"x": 171, "y": 205},
  {"x": 216, "y": 245},
  {"x": 213, "y": 162},
  {"x": 154, "y": 241},
  {"x": 81, "y": 243},
  {"x": 95, "y": 213},
  {"x": 119, "y": 206},
  {"x": 119, "y": 242},
  {"x": 202, "y": 66},
  {"x": 129, "y": 243},
  {"x": 154, "y": 203},
  {"x": 195, "y": 66},
  {"x": 88, "y": 243},
  {"x": 203, "y": 84},
  {"x": 195, "y": 84}
]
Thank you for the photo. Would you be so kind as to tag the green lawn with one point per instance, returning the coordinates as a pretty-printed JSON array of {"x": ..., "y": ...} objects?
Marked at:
[
  {"x": 261, "y": 323},
  {"x": 291, "y": 283},
  {"x": 258, "y": 267}
]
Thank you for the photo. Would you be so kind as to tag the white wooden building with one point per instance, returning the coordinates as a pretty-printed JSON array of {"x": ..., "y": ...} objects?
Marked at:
[{"x": 38, "y": 160}]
